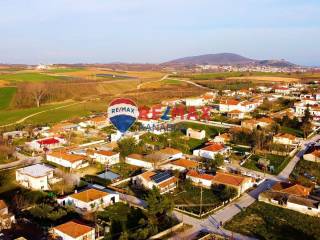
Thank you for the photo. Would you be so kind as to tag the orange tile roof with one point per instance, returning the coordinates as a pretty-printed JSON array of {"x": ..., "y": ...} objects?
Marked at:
[
  {"x": 186, "y": 163},
  {"x": 235, "y": 112},
  {"x": 106, "y": 153},
  {"x": 215, "y": 147},
  {"x": 195, "y": 174},
  {"x": 298, "y": 190},
  {"x": 3, "y": 204},
  {"x": 168, "y": 182},
  {"x": 316, "y": 153},
  {"x": 89, "y": 195},
  {"x": 229, "y": 179},
  {"x": 265, "y": 119},
  {"x": 291, "y": 188},
  {"x": 229, "y": 102},
  {"x": 66, "y": 156},
  {"x": 73, "y": 229},
  {"x": 147, "y": 175}
]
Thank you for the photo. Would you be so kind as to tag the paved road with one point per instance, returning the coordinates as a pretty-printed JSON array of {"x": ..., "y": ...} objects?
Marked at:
[
  {"x": 211, "y": 224},
  {"x": 207, "y": 123},
  {"x": 22, "y": 161}
]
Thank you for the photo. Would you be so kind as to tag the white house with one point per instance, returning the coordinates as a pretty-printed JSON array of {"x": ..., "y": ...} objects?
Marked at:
[
  {"x": 89, "y": 200},
  {"x": 282, "y": 90},
  {"x": 304, "y": 205},
  {"x": 197, "y": 134},
  {"x": 162, "y": 180},
  {"x": 36, "y": 177},
  {"x": 139, "y": 161},
  {"x": 73, "y": 231},
  {"x": 212, "y": 150},
  {"x": 222, "y": 138},
  {"x": 46, "y": 143},
  {"x": 106, "y": 157},
  {"x": 202, "y": 179},
  {"x": 196, "y": 102},
  {"x": 313, "y": 156},
  {"x": 229, "y": 105},
  {"x": 285, "y": 138},
  {"x": 68, "y": 160},
  {"x": 318, "y": 96}
]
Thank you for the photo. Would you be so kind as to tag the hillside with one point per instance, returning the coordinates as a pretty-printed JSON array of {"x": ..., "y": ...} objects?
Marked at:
[{"x": 226, "y": 59}]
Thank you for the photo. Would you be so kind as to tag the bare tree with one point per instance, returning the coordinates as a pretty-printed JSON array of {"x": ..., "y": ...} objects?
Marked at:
[{"x": 37, "y": 92}]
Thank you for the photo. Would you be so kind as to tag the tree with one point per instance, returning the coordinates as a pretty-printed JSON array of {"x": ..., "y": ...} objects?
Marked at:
[
  {"x": 127, "y": 146},
  {"x": 38, "y": 91},
  {"x": 158, "y": 206}
]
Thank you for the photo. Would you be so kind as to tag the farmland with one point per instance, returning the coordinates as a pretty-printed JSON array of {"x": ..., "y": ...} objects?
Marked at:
[
  {"x": 28, "y": 77},
  {"x": 6, "y": 95}
]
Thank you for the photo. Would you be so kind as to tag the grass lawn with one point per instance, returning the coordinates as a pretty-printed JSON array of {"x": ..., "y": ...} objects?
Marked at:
[
  {"x": 304, "y": 170},
  {"x": 28, "y": 77},
  {"x": 278, "y": 162},
  {"x": 190, "y": 194},
  {"x": 6, "y": 95},
  {"x": 264, "y": 221},
  {"x": 296, "y": 132},
  {"x": 195, "y": 143},
  {"x": 210, "y": 130}
]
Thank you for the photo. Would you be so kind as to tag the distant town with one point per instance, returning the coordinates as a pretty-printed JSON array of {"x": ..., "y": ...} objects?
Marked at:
[{"x": 219, "y": 152}]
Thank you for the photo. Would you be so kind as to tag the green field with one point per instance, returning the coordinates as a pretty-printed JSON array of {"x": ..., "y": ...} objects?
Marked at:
[
  {"x": 172, "y": 81},
  {"x": 6, "y": 95},
  {"x": 28, "y": 77},
  {"x": 52, "y": 116},
  {"x": 264, "y": 221},
  {"x": 64, "y": 70},
  {"x": 210, "y": 130}
]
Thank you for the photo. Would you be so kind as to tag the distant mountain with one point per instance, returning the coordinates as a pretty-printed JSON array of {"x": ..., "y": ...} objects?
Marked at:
[{"x": 226, "y": 59}]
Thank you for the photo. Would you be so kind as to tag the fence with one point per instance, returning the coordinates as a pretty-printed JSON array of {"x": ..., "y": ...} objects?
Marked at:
[{"x": 165, "y": 232}]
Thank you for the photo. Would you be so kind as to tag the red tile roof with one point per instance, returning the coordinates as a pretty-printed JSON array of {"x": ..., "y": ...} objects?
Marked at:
[
  {"x": 215, "y": 147},
  {"x": 73, "y": 229},
  {"x": 48, "y": 141},
  {"x": 195, "y": 174}
]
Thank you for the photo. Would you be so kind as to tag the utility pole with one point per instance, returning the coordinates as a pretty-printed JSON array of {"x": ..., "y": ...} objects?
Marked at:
[{"x": 201, "y": 201}]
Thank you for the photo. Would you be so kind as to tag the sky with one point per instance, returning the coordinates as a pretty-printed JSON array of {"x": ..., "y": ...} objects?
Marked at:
[{"x": 154, "y": 31}]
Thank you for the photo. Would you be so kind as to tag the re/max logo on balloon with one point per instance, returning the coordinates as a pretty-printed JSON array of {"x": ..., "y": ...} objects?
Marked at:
[{"x": 123, "y": 112}]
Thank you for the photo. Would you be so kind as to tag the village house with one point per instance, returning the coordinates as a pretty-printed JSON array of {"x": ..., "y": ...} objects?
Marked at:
[
  {"x": 197, "y": 134},
  {"x": 285, "y": 138},
  {"x": 139, "y": 161},
  {"x": 181, "y": 165},
  {"x": 98, "y": 122},
  {"x": 163, "y": 180},
  {"x": 46, "y": 144},
  {"x": 66, "y": 159},
  {"x": 201, "y": 179},
  {"x": 313, "y": 156},
  {"x": 14, "y": 135},
  {"x": 36, "y": 177},
  {"x": 236, "y": 114},
  {"x": 89, "y": 200},
  {"x": 210, "y": 97},
  {"x": 228, "y": 105},
  {"x": 106, "y": 157},
  {"x": 282, "y": 90},
  {"x": 212, "y": 150},
  {"x": 238, "y": 182},
  {"x": 6, "y": 218},
  {"x": 195, "y": 102},
  {"x": 257, "y": 123},
  {"x": 291, "y": 196},
  {"x": 73, "y": 231},
  {"x": 222, "y": 138}
]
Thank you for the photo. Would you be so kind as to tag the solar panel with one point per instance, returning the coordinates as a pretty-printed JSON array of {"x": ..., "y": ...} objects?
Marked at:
[{"x": 159, "y": 177}]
